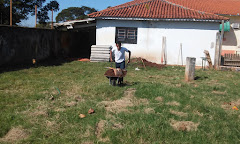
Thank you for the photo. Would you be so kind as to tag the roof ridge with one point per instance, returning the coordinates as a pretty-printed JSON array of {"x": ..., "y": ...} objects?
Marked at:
[
  {"x": 184, "y": 7},
  {"x": 122, "y": 7}
]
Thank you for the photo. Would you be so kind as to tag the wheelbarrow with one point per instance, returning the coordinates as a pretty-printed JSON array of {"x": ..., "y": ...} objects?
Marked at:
[{"x": 115, "y": 75}]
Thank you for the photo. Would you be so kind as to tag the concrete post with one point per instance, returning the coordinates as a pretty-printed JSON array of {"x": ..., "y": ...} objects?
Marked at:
[{"x": 190, "y": 69}]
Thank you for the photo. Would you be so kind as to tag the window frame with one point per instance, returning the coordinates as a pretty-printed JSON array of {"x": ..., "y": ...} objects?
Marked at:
[{"x": 130, "y": 35}]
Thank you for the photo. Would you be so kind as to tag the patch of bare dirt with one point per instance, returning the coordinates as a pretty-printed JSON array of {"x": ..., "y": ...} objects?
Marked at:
[
  {"x": 142, "y": 102},
  {"x": 230, "y": 105},
  {"x": 71, "y": 104},
  {"x": 117, "y": 125},
  {"x": 79, "y": 99},
  {"x": 159, "y": 99},
  {"x": 113, "y": 122},
  {"x": 130, "y": 92},
  {"x": 40, "y": 113},
  {"x": 59, "y": 109},
  {"x": 173, "y": 103},
  {"x": 181, "y": 114},
  {"x": 50, "y": 123},
  {"x": 88, "y": 143},
  {"x": 121, "y": 105},
  {"x": 100, "y": 129},
  {"x": 219, "y": 92},
  {"x": 178, "y": 85},
  {"x": 75, "y": 90},
  {"x": 172, "y": 94},
  {"x": 187, "y": 107},
  {"x": 149, "y": 110},
  {"x": 184, "y": 125},
  {"x": 40, "y": 110},
  {"x": 88, "y": 132},
  {"x": 198, "y": 113},
  {"x": 15, "y": 135}
]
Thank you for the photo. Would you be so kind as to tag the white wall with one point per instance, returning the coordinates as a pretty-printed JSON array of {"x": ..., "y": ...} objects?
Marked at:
[{"x": 194, "y": 36}]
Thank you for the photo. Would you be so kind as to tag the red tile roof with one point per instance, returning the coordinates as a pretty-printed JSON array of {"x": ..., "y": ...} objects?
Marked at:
[
  {"x": 220, "y": 7},
  {"x": 155, "y": 9}
]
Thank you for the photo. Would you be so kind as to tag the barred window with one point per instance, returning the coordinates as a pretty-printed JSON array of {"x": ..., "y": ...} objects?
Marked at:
[{"x": 126, "y": 35}]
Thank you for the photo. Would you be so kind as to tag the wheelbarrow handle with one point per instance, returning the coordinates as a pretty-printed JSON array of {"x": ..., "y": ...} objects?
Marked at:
[{"x": 111, "y": 64}]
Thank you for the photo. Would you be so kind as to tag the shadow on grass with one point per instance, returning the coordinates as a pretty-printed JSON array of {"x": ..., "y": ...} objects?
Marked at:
[
  {"x": 127, "y": 83},
  {"x": 47, "y": 62},
  {"x": 200, "y": 78}
]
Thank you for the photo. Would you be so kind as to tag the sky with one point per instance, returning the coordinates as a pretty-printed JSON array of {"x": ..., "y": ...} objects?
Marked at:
[{"x": 64, "y": 4}]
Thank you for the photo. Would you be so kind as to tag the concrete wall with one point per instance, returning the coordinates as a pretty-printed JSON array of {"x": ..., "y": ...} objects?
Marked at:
[
  {"x": 20, "y": 45},
  {"x": 231, "y": 43},
  {"x": 194, "y": 36}
]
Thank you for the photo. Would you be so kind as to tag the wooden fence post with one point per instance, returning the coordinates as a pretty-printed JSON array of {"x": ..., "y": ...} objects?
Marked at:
[
  {"x": 35, "y": 16},
  {"x": 190, "y": 69},
  {"x": 10, "y": 12}
]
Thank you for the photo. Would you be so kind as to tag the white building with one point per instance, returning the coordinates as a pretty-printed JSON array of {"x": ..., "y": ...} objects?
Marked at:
[
  {"x": 156, "y": 29},
  {"x": 226, "y": 8}
]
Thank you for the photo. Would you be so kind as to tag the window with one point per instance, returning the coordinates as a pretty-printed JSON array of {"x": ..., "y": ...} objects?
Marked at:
[{"x": 126, "y": 35}]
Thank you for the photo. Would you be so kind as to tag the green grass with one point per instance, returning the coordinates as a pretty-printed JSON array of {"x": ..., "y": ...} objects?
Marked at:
[{"x": 24, "y": 102}]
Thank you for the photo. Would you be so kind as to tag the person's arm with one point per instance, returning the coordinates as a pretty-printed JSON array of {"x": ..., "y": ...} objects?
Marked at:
[
  {"x": 129, "y": 56},
  {"x": 111, "y": 56}
]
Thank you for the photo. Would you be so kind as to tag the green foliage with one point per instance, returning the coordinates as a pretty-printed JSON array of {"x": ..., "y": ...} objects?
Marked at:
[
  {"x": 73, "y": 13},
  {"x": 22, "y": 8},
  {"x": 46, "y": 25}
]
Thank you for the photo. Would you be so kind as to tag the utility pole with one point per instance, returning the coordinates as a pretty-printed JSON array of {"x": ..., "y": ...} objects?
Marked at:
[
  {"x": 10, "y": 12},
  {"x": 52, "y": 20},
  {"x": 35, "y": 16}
]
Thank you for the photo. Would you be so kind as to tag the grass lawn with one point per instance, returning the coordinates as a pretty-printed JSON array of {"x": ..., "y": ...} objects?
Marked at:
[{"x": 42, "y": 105}]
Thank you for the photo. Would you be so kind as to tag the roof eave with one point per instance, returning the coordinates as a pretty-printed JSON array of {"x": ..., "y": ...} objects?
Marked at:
[
  {"x": 228, "y": 14},
  {"x": 159, "y": 19}
]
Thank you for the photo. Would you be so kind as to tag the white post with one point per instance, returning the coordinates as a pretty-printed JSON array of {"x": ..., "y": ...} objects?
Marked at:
[{"x": 190, "y": 69}]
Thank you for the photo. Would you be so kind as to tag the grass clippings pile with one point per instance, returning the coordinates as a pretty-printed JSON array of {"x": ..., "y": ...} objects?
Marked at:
[
  {"x": 181, "y": 114},
  {"x": 122, "y": 105},
  {"x": 173, "y": 103},
  {"x": 100, "y": 127},
  {"x": 159, "y": 99},
  {"x": 184, "y": 125},
  {"x": 149, "y": 110},
  {"x": 15, "y": 135}
]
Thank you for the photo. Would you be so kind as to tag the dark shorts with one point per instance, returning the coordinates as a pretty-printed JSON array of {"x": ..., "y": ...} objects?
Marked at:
[{"x": 120, "y": 65}]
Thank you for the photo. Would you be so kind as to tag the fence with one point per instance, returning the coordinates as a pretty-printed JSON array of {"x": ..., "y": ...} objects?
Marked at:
[
  {"x": 232, "y": 59},
  {"x": 20, "y": 45}
]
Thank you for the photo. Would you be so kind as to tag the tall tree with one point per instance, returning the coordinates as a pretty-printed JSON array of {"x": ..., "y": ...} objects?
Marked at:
[
  {"x": 22, "y": 8},
  {"x": 73, "y": 13}
]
